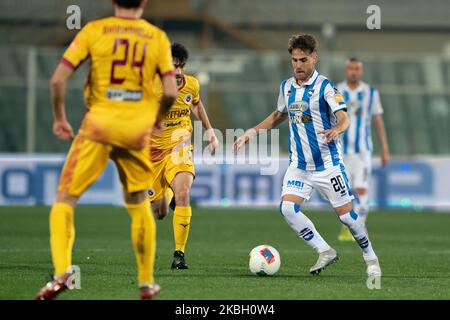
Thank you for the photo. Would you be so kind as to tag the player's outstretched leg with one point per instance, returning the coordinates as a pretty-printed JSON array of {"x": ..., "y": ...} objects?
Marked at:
[
  {"x": 357, "y": 227},
  {"x": 143, "y": 236},
  {"x": 305, "y": 229},
  {"x": 182, "y": 214}
]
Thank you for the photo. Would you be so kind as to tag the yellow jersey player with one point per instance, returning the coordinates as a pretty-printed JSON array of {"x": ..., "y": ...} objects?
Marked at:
[
  {"x": 171, "y": 155},
  {"x": 125, "y": 52}
]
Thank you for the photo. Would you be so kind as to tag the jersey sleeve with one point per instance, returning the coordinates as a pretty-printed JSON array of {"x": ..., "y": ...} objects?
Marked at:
[
  {"x": 165, "y": 66},
  {"x": 377, "y": 108},
  {"x": 79, "y": 49},
  {"x": 281, "y": 104},
  {"x": 334, "y": 98},
  {"x": 196, "y": 93}
]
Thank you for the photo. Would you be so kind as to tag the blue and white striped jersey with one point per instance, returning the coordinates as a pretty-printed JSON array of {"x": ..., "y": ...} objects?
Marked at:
[
  {"x": 311, "y": 109},
  {"x": 362, "y": 104}
]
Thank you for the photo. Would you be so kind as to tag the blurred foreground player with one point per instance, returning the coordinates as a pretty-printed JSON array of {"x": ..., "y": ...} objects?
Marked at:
[
  {"x": 171, "y": 155},
  {"x": 126, "y": 52},
  {"x": 363, "y": 106},
  {"x": 317, "y": 116}
]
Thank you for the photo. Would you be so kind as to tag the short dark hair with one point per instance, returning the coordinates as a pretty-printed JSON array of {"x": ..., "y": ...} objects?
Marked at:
[
  {"x": 304, "y": 42},
  {"x": 128, "y": 3},
  {"x": 353, "y": 59},
  {"x": 179, "y": 52}
]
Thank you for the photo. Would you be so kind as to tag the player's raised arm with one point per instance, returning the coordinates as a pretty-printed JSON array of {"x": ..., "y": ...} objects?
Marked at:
[{"x": 272, "y": 121}]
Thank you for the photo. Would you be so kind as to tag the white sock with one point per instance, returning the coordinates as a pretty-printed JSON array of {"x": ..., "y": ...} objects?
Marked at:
[
  {"x": 358, "y": 229},
  {"x": 303, "y": 226},
  {"x": 362, "y": 206}
]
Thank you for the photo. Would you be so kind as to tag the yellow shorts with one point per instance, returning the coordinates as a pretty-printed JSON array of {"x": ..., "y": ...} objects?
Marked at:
[
  {"x": 88, "y": 159},
  {"x": 165, "y": 166}
]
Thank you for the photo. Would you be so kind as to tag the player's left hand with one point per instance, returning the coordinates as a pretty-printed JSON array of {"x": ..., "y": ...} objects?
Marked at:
[
  {"x": 330, "y": 134},
  {"x": 213, "y": 141}
]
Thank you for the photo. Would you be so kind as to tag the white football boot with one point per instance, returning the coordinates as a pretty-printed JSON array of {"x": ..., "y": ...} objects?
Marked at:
[
  {"x": 373, "y": 268},
  {"x": 325, "y": 259}
]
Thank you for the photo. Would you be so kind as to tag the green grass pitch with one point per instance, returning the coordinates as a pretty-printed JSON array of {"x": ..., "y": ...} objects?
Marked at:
[{"x": 414, "y": 251}]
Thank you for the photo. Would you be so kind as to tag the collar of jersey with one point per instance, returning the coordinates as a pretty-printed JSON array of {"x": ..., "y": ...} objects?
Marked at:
[
  {"x": 184, "y": 83},
  {"x": 310, "y": 80},
  {"x": 358, "y": 88}
]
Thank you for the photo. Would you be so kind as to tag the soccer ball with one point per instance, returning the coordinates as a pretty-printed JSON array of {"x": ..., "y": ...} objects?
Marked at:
[{"x": 264, "y": 260}]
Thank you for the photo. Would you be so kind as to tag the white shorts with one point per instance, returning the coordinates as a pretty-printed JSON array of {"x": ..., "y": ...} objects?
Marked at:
[
  {"x": 331, "y": 183},
  {"x": 359, "y": 168}
]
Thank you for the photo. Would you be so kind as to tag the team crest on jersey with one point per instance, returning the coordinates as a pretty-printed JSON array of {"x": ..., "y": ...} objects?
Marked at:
[
  {"x": 188, "y": 98},
  {"x": 310, "y": 92}
]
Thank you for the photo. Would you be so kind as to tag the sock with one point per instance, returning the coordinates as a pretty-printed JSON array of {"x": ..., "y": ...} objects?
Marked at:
[
  {"x": 181, "y": 226},
  {"x": 62, "y": 237},
  {"x": 358, "y": 229},
  {"x": 143, "y": 237},
  {"x": 362, "y": 206},
  {"x": 303, "y": 226}
]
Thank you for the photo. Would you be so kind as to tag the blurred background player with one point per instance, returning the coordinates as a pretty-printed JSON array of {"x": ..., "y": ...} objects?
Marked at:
[
  {"x": 171, "y": 155},
  {"x": 363, "y": 105},
  {"x": 126, "y": 52},
  {"x": 317, "y": 116}
]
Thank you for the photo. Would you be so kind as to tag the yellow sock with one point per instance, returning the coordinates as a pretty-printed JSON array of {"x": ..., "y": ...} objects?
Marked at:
[
  {"x": 143, "y": 237},
  {"x": 62, "y": 236},
  {"x": 181, "y": 226},
  {"x": 169, "y": 196}
]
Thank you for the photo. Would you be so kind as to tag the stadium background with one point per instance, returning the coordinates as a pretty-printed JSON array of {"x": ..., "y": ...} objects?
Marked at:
[{"x": 238, "y": 51}]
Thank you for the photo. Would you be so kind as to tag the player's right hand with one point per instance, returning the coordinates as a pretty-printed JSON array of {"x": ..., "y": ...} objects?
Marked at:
[
  {"x": 62, "y": 129},
  {"x": 239, "y": 143}
]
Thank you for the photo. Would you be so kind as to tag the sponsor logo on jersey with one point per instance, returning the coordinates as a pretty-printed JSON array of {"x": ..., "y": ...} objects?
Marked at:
[
  {"x": 299, "y": 106},
  {"x": 172, "y": 124},
  {"x": 295, "y": 184},
  {"x": 123, "y": 95},
  {"x": 174, "y": 114}
]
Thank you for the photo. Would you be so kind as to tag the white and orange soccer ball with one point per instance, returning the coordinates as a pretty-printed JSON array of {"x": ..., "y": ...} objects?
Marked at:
[{"x": 264, "y": 260}]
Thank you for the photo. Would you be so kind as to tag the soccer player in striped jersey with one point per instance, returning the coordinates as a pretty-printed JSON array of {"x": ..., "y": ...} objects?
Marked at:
[
  {"x": 317, "y": 116},
  {"x": 363, "y": 107},
  {"x": 125, "y": 53}
]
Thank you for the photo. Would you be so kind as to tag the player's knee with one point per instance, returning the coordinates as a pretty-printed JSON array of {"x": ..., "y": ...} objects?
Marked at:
[
  {"x": 67, "y": 199},
  {"x": 289, "y": 208},
  {"x": 361, "y": 191},
  {"x": 182, "y": 196}
]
